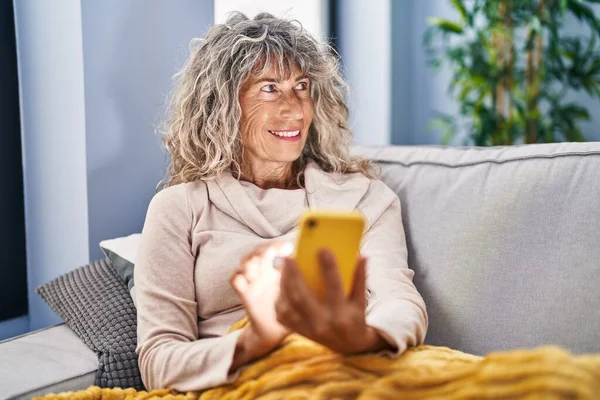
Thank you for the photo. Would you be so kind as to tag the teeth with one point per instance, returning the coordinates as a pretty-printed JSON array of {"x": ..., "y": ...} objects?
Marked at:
[{"x": 286, "y": 134}]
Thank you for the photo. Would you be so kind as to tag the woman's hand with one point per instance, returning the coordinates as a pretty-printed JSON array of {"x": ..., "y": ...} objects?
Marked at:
[
  {"x": 257, "y": 284},
  {"x": 338, "y": 322}
]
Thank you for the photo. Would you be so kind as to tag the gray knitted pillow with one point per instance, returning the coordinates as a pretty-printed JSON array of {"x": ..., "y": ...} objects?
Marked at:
[{"x": 94, "y": 302}]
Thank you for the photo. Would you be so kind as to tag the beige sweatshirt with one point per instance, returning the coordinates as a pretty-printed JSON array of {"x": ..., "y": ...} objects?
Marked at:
[{"x": 193, "y": 238}]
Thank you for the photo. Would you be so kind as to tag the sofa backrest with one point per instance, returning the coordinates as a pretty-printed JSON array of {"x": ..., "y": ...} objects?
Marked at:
[{"x": 505, "y": 241}]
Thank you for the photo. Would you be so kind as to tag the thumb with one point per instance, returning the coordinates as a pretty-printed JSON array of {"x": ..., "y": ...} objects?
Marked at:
[{"x": 240, "y": 285}]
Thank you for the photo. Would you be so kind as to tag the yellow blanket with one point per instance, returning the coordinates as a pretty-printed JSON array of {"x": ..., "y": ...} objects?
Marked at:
[{"x": 301, "y": 369}]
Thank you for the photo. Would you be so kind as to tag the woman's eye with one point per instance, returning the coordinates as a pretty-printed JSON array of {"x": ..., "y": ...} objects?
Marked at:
[
  {"x": 269, "y": 88},
  {"x": 302, "y": 86}
]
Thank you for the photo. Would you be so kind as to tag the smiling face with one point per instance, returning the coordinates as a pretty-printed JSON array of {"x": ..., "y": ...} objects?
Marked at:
[{"x": 276, "y": 115}]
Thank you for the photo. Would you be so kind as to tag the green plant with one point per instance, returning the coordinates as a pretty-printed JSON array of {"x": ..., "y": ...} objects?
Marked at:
[{"x": 512, "y": 67}]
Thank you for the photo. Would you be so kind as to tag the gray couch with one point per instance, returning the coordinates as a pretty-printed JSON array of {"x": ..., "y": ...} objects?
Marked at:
[{"x": 505, "y": 243}]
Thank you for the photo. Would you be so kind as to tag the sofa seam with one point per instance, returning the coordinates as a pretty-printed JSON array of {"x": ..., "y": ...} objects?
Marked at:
[
  {"x": 11, "y": 339},
  {"x": 485, "y": 161}
]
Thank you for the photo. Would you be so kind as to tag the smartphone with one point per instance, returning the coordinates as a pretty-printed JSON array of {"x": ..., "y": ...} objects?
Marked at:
[{"x": 339, "y": 231}]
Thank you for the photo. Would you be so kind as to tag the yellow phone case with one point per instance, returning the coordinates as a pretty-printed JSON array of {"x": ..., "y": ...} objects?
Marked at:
[{"x": 339, "y": 231}]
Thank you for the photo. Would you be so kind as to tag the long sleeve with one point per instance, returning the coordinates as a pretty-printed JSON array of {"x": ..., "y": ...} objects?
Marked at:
[
  {"x": 395, "y": 307},
  {"x": 170, "y": 354}
]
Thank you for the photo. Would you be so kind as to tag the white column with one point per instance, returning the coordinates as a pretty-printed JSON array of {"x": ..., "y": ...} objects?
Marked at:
[
  {"x": 365, "y": 45},
  {"x": 50, "y": 56}
]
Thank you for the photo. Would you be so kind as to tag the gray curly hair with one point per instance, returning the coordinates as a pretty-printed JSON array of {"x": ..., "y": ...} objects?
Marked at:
[{"x": 201, "y": 130}]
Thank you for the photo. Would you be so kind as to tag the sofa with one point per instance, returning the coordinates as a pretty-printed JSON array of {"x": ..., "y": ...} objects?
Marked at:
[{"x": 504, "y": 242}]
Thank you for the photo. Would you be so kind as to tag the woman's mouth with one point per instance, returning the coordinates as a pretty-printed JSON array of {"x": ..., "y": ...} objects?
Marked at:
[{"x": 287, "y": 135}]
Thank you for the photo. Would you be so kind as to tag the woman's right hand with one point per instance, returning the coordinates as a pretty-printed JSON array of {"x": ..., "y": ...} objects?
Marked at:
[{"x": 256, "y": 281}]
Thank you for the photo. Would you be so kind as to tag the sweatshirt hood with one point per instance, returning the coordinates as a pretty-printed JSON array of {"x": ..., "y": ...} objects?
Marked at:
[{"x": 228, "y": 195}]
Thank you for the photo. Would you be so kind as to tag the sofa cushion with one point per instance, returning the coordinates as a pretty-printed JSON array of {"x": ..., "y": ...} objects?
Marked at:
[
  {"x": 94, "y": 302},
  {"x": 504, "y": 241},
  {"x": 122, "y": 252},
  {"x": 50, "y": 360}
]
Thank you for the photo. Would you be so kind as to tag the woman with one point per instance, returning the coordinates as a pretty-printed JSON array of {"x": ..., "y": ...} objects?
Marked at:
[{"x": 257, "y": 132}]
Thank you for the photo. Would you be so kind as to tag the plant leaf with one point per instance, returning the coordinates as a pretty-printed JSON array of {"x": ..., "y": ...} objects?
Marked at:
[
  {"x": 445, "y": 25},
  {"x": 584, "y": 13},
  {"x": 460, "y": 7},
  {"x": 576, "y": 112},
  {"x": 488, "y": 63}
]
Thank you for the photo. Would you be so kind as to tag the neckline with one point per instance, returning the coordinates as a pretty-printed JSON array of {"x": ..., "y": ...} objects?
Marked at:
[
  {"x": 254, "y": 186},
  {"x": 320, "y": 189}
]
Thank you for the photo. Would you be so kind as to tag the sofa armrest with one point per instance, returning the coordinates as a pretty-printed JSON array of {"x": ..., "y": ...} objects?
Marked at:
[{"x": 50, "y": 360}]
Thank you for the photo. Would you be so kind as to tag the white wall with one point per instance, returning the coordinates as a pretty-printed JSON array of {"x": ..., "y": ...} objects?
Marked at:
[
  {"x": 93, "y": 76},
  {"x": 50, "y": 50},
  {"x": 312, "y": 14},
  {"x": 419, "y": 92},
  {"x": 131, "y": 49}
]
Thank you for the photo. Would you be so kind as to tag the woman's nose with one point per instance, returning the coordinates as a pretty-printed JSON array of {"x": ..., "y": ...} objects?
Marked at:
[{"x": 291, "y": 107}]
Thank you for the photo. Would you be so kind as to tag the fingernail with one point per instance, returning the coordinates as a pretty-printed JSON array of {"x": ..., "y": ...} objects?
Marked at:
[{"x": 325, "y": 256}]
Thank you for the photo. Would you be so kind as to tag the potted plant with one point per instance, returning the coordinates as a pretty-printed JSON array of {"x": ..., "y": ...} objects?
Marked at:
[{"x": 513, "y": 66}]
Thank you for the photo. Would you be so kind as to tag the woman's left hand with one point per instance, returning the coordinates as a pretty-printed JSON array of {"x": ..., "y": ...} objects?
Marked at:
[{"x": 338, "y": 321}]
